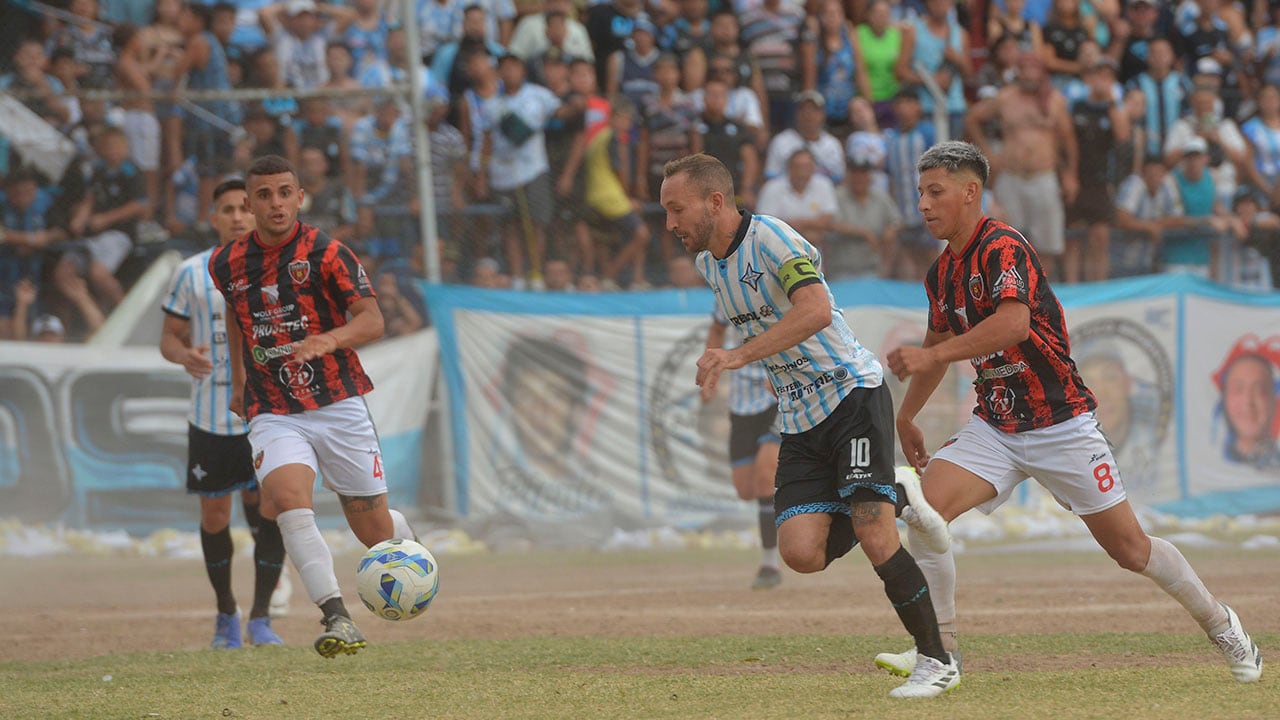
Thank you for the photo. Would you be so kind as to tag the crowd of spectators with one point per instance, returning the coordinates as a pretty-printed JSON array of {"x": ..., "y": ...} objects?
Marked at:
[{"x": 1126, "y": 136}]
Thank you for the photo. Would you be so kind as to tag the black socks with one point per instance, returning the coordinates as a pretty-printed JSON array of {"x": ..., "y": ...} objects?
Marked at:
[{"x": 906, "y": 588}]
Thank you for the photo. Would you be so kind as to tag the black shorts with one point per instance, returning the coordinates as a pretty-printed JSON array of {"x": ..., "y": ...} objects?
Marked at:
[
  {"x": 748, "y": 432},
  {"x": 1093, "y": 205},
  {"x": 218, "y": 464},
  {"x": 532, "y": 201},
  {"x": 848, "y": 456}
]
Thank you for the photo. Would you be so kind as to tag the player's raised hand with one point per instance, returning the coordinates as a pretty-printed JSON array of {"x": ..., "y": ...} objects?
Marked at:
[
  {"x": 315, "y": 346},
  {"x": 713, "y": 362},
  {"x": 909, "y": 360},
  {"x": 912, "y": 440},
  {"x": 196, "y": 362}
]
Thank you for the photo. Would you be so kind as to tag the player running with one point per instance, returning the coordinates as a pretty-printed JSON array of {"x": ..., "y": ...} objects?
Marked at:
[
  {"x": 297, "y": 379},
  {"x": 835, "y": 480},
  {"x": 219, "y": 459},
  {"x": 990, "y": 303},
  {"x": 753, "y": 445}
]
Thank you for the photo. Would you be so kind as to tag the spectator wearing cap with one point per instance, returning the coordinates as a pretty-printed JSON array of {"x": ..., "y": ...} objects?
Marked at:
[
  {"x": 1036, "y": 164},
  {"x": 300, "y": 35},
  {"x": 630, "y": 70},
  {"x": 776, "y": 34},
  {"x": 840, "y": 73},
  {"x": 1100, "y": 125},
  {"x": 532, "y": 38},
  {"x": 48, "y": 329},
  {"x": 1227, "y": 147},
  {"x": 517, "y": 169},
  {"x": 880, "y": 41},
  {"x": 809, "y": 132},
  {"x": 904, "y": 145},
  {"x": 936, "y": 42},
  {"x": 1148, "y": 203},
  {"x": 863, "y": 237},
  {"x": 1197, "y": 251},
  {"x": 728, "y": 141},
  {"x": 803, "y": 198},
  {"x": 1263, "y": 133},
  {"x": 449, "y": 65}
]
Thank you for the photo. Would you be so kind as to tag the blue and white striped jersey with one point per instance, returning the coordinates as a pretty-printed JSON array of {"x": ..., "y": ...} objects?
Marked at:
[
  {"x": 193, "y": 298},
  {"x": 767, "y": 260},
  {"x": 749, "y": 392}
]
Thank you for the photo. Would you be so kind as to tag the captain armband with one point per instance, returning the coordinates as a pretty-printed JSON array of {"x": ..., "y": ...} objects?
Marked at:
[{"x": 796, "y": 273}]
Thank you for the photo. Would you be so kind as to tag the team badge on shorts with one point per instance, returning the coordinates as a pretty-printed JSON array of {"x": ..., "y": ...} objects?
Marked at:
[
  {"x": 975, "y": 286},
  {"x": 257, "y": 460},
  {"x": 300, "y": 271}
]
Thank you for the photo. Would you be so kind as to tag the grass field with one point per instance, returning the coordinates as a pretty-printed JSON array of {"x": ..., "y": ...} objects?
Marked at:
[{"x": 638, "y": 635}]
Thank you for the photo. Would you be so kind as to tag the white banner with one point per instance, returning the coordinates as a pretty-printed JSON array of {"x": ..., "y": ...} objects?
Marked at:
[{"x": 574, "y": 404}]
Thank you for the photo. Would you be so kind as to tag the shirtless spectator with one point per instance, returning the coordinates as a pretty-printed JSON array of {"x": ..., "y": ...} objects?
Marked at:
[{"x": 1036, "y": 166}]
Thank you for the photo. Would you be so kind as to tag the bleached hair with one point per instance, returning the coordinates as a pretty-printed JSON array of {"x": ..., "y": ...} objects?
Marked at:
[{"x": 956, "y": 156}]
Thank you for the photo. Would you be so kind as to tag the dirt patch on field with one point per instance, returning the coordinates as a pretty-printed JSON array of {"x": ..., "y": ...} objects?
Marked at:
[{"x": 63, "y": 607}]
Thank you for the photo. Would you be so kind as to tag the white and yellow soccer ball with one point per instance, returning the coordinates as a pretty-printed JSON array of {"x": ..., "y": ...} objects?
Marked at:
[{"x": 397, "y": 579}]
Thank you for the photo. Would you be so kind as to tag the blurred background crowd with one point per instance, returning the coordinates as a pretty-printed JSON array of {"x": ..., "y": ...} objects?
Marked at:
[{"x": 1127, "y": 137}]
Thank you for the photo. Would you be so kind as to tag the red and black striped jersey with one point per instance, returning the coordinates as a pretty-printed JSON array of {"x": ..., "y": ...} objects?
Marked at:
[
  {"x": 1033, "y": 384},
  {"x": 277, "y": 296}
]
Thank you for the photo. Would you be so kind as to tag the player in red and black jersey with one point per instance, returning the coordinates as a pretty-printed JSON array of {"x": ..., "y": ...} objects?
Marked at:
[
  {"x": 990, "y": 304},
  {"x": 1032, "y": 384},
  {"x": 298, "y": 303}
]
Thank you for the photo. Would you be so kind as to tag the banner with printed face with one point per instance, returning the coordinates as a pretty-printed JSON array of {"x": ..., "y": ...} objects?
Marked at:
[
  {"x": 570, "y": 404},
  {"x": 1231, "y": 387},
  {"x": 97, "y": 437}
]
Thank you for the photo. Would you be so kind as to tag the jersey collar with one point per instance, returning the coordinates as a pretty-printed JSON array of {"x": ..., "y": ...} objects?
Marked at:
[
  {"x": 740, "y": 235},
  {"x": 977, "y": 233}
]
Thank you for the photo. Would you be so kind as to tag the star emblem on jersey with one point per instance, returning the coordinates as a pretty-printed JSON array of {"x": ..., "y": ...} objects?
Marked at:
[
  {"x": 299, "y": 271},
  {"x": 199, "y": 473},
  {"x": 751, "y": 276}
]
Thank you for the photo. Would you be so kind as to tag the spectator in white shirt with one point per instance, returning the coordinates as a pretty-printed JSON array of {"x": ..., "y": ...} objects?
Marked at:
[
  {"x": 530, "y": 37},
  {"x": 301, "y": 37},
  {"x": 809, "y": 133},
  {"x": 803, "y": 198}
]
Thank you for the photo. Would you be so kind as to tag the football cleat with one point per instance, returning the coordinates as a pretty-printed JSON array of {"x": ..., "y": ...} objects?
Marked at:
[
  {"x": 340, "y": 636},
  {"x": 920, "y": 515},
  {"x": 226, "y": 632},
  {"x": 929, "y": 678},
  {"x": 1239, "y": 649},
  {"x": 767, "y": 577},
  {"x": 260, "y": 632}
]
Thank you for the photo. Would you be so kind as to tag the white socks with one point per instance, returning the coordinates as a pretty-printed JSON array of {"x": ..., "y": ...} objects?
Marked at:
[
  {"x": 940, "y": 572},
  {"x": 402, "y": 529},
  {"x": 1171, "y": 571},
  {"x": 769, "y": 557},
  {"x": 309, "y": 553}
]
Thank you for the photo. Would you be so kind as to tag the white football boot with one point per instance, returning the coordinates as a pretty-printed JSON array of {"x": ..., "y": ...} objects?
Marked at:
[
  {"x": 920, "y": 515},
  {"x": 1240, "y": 650},
  {"x": 929, "y": 678}
]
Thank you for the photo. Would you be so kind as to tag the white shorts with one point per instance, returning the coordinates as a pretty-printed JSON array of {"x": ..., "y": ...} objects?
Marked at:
[
  {"x": 337, "y": 441},
  {"x": 109, "y": 249},
  {"x": 143, "y": 131},
  {"x": 1072, "y": 460},
  {"x": 1034, "y": 204}
]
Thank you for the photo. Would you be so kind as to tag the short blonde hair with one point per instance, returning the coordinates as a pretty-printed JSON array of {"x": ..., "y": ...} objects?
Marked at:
[{"x": 705, "y": 172}]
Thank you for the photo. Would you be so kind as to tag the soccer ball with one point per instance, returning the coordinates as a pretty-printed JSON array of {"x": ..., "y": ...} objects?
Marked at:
[{"x": 397, "y": 579}]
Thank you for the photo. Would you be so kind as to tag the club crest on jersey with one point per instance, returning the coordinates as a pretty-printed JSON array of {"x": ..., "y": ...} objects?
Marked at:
[
  {"x": 1001, "y": 399},
  {"x": 299, "y": 271},
  {"x": 975, "y": 286},
  {"x": 271, "y": 294},
  {"x": 257, "y": 460},
  {"x": 751, "y": 276}
]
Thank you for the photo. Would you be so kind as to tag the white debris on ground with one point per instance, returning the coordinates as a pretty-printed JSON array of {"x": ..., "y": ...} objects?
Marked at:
[{"x": 1014, "y": 528}]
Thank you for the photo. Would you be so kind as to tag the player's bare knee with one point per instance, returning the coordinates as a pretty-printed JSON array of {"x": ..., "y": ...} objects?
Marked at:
[
  {"x": 1131, "y": 556},
  {"x": 803, "y": 557},
  {"x": 215, "y": 516}
]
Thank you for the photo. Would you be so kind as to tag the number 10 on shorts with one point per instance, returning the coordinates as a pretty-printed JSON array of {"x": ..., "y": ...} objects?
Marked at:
[{"x": 860, "y": 452}]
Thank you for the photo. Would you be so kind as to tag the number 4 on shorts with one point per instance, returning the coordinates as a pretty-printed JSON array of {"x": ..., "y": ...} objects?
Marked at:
[{"x": 377, "y": 467}]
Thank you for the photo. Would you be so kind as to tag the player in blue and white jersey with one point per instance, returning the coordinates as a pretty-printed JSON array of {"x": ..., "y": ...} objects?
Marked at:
[
  {"x": 835, "y": 483},
  {"x": 753, "y": 444},
  {"x": 219, "y": 458}
]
